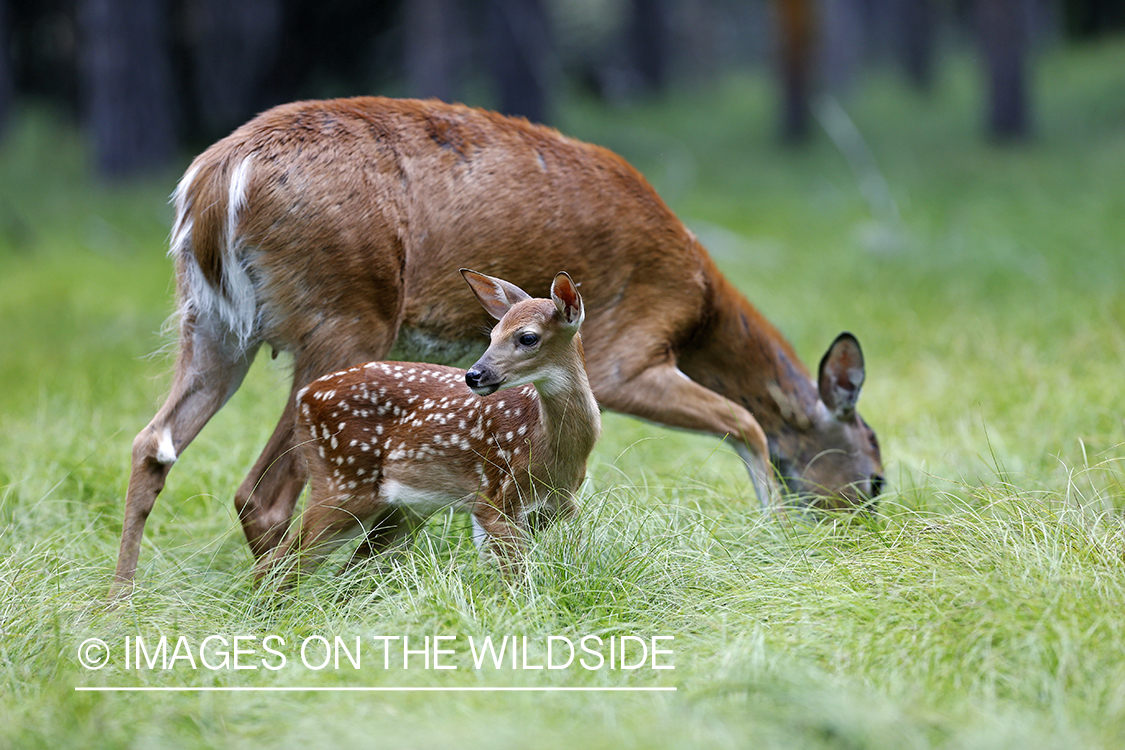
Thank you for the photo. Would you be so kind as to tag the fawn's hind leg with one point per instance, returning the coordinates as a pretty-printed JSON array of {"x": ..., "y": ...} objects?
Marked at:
[
  {"x": 387, "y": 530},
  {"x": 330, "y": 519}
]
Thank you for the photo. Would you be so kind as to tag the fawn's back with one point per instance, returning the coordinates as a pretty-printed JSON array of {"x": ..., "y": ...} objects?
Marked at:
[{"x": 414, "y": 435}]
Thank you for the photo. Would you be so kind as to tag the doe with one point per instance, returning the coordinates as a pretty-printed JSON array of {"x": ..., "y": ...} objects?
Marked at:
[{"x": 392, "y": 443}]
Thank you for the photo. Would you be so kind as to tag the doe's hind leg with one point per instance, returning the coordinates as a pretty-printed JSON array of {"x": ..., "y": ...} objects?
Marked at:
[
  {"x": 209, "y": 369},
  {"x": 267, "y": 497}
]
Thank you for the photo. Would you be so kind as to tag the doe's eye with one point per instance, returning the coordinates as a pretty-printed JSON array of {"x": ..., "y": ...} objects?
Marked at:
[
  {"x": 877, "y": 485},
  {"x": 529, "y": 339}
]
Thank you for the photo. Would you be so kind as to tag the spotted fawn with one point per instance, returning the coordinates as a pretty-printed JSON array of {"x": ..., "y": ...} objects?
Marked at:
[{"x": 389, "y": 443}]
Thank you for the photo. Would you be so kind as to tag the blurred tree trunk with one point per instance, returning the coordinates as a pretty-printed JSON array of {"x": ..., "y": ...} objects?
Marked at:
[
  {"x": 519, "y": 54},
  {"x": 915, "y": 41},
  {"x": 1087, "y": 18},
  {"x": 6, "y": 85},
  {"x": 1004, "y": 27},
  {"x": 796, "y": 38},
  {"x": 648, "y": 43},
  {"x": 127, "y": 85},
  {"x": 429, "y": 48},
  {"x": 232, "y": 45},
  {"x": 843, "y": 42}
]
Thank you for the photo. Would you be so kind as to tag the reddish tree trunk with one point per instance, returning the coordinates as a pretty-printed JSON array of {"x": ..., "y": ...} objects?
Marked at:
[{"x": 796, "y": 32}]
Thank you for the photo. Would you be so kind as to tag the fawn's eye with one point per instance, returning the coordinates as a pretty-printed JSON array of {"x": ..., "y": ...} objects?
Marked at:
[{"x": 529, "y": 339}]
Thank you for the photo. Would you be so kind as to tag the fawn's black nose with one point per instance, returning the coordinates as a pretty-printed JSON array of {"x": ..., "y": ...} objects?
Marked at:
[{"x": 482, "y": 380}]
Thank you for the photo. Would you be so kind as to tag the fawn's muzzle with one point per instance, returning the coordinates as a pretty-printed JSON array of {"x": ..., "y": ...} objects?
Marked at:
[{"x": 482, "y": 381}]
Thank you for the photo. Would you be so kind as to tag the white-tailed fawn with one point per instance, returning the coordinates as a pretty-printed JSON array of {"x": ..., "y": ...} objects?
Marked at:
[{"x": 390, "y": 443}]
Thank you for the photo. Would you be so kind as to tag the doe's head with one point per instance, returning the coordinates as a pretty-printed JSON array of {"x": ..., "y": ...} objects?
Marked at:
[
  {"x": 833, "y": 460},
  {"x": 536, "y": 340}
]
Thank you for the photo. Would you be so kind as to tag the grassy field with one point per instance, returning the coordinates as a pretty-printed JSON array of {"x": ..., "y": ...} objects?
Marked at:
[{"x": 983, "y": 609}]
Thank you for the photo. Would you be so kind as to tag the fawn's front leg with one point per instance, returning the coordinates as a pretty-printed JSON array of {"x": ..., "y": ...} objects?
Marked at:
[{"x": 500, "y": 537}]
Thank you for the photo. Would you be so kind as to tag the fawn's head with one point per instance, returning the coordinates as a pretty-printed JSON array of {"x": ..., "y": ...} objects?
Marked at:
[
  {"x": 536, "y": 340},
  {"x": 833, "y": 459}
]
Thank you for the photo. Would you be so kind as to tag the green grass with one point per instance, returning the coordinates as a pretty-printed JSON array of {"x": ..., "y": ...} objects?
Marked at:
[{"x": 982, "y": 609}]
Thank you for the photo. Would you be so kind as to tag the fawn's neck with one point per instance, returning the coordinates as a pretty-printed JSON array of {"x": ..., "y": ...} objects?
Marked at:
[{"x": 570, "y": 422}]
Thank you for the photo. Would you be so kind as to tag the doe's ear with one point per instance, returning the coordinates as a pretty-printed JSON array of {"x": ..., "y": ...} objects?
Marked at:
[
  {"x": 565, "y": 295},
  {"x": 841, "y": 376},
  {"x": 495, "y": 295}
]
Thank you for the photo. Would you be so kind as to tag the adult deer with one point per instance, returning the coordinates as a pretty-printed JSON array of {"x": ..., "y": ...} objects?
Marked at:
[
  {"x": 331, "y": 230},
  {"x": 389, "y": 443}
]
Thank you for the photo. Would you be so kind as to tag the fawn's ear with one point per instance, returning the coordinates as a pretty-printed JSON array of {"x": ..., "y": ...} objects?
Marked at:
[
  {"x": 496, "y": 295},
  {"x": 841, "y": 376},
  {"x": 564, "y": 292}
]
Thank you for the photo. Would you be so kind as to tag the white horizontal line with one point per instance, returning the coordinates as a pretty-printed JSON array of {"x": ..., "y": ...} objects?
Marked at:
[{"x": 236, "y": 689}]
